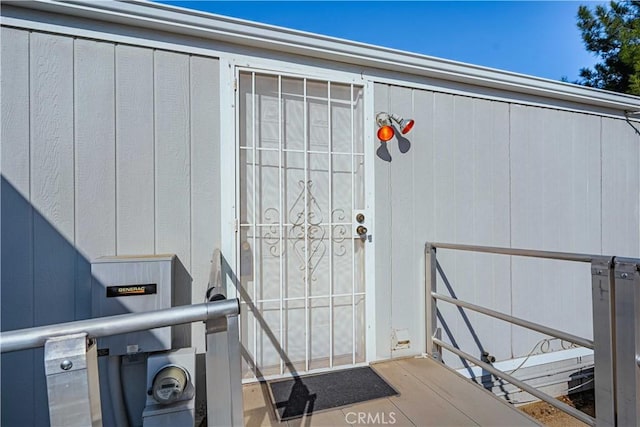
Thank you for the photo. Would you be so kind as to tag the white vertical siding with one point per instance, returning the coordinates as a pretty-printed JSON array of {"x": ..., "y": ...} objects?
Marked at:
[
  {"x": 15, "y": 115},
  {"x": 402, "y": 188},
  {"x": 422, "y": 174},
  {"x": 444, "y": 229},
  {"x": 52, "y": 188},
  {"x": 205, "y": 185},
  {"x": 471, "y": 139},
  {"x": 461, "y": 277},
  {"x": 444, "y": 167},
  {"x": 448, "y": 181},
  {"x": 95, "y": 171},
  {"x": 16, "y": 223},
  {"x": 556, "y": 205},
  {"x": 491, "y": 220},
  {"x": 382, "y": 230},
  {"x": 52, "y": 176},
  {"x": 620, "y": 188},
  {"x": 498, "y": 174},
  {"x": 492, "y": 198},
  {"x": 556, "y": 179},
  {"x": 423, "y": 150},
  {"x": 105, "y": 147},
  {"x": 17, "y": 219},
  {"x": 135, "y": 232},
  {"x": 172, "y": 155},
  {"x": 94, "y": 147}
]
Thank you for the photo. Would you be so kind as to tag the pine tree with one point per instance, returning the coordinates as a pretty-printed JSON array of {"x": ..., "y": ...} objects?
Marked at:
[{"x": 613, "y": 33}]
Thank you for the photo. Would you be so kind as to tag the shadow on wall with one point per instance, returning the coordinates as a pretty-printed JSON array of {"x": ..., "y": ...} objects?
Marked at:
[
  {"x": 44, "y": 280},
  {"x": 404, "y": 145},
  {"x": 487, "y": 379}
]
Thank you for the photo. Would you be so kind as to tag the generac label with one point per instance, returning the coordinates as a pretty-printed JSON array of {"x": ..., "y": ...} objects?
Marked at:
[{"x": 131, "y": 290}]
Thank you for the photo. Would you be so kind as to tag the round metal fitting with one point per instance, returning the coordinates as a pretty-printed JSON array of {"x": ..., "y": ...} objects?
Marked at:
[
  {"x": 624, "y": 275},
  {"x": 360, "y": 218},
  {"x": 66, "y": 365},
  {"x": 361, "y": 230}
]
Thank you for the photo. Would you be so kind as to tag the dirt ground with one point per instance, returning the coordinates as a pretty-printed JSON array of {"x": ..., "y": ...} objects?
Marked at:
[{"x": 550, "y": 416}]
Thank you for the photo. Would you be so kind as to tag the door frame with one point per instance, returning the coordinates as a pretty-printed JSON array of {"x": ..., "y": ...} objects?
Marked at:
[{"x": 229, "y": 155}]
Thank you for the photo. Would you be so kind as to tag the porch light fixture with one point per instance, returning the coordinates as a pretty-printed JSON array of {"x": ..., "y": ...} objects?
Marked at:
[{"x": 385, "y": 131}]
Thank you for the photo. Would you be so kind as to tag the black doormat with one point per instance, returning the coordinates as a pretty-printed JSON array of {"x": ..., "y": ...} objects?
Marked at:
[{"x": 304, "y": 395}]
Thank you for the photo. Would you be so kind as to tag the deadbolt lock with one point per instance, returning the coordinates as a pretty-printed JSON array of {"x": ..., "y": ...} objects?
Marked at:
[
  {"x": 360, "y": 217},
  {"x": 361, "y": 230}
]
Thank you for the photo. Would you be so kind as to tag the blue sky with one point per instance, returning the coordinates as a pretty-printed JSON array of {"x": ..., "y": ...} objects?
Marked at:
[{"x": 535, "y": 38}]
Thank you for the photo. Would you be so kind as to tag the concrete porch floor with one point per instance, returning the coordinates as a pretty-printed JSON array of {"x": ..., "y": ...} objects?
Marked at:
[{"x": 430, "y": 395}]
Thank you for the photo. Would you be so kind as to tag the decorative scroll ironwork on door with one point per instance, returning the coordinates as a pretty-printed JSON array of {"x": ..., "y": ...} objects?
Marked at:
[{"x": 301, "y": 180}]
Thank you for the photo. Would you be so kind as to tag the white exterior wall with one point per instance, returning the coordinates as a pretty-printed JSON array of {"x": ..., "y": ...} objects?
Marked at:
[
  {"x": 499, "y": 174},
  {"x": 107, "y": 149},
  {"x": 112, "y": 149}
]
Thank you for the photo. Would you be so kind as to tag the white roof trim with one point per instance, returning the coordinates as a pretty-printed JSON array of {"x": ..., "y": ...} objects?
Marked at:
[{"x": 188, "y": 22}]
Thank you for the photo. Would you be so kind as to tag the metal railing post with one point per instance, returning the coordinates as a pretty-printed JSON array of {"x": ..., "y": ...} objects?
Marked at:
[
  {"x": 431, "y": 280},
  {"x": 627, "y": 340},
  {"x": 224, "y": 373},
  {"x": 235, "y": 370},
  {"x": 71, "y": 369},
  {"x": 602, "y": 288}
]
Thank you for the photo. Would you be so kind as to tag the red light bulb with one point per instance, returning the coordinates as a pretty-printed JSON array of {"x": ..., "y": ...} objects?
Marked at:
[{"x": 385, "y": 133}]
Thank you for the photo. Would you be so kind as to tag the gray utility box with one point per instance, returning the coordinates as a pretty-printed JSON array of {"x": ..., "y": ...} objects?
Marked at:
[{"x": 134, "y": 284}]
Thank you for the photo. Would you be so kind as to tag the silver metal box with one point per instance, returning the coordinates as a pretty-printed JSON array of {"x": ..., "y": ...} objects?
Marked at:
[{"x": 133, "y": 284}]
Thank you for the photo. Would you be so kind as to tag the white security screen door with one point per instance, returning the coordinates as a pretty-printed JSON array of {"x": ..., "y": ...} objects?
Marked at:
[{"x": 301, "y": 186}]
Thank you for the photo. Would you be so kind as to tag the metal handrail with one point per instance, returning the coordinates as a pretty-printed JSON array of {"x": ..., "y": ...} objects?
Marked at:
[
  {"x": 520, "y": 384},
  {"x": 582, "y": 342},
  {"x": 563, "y": 256},
  {"x": 434, "y": 296},
  {"x": 22, "y": 339},
  {"x": 615, "y": 287}
]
